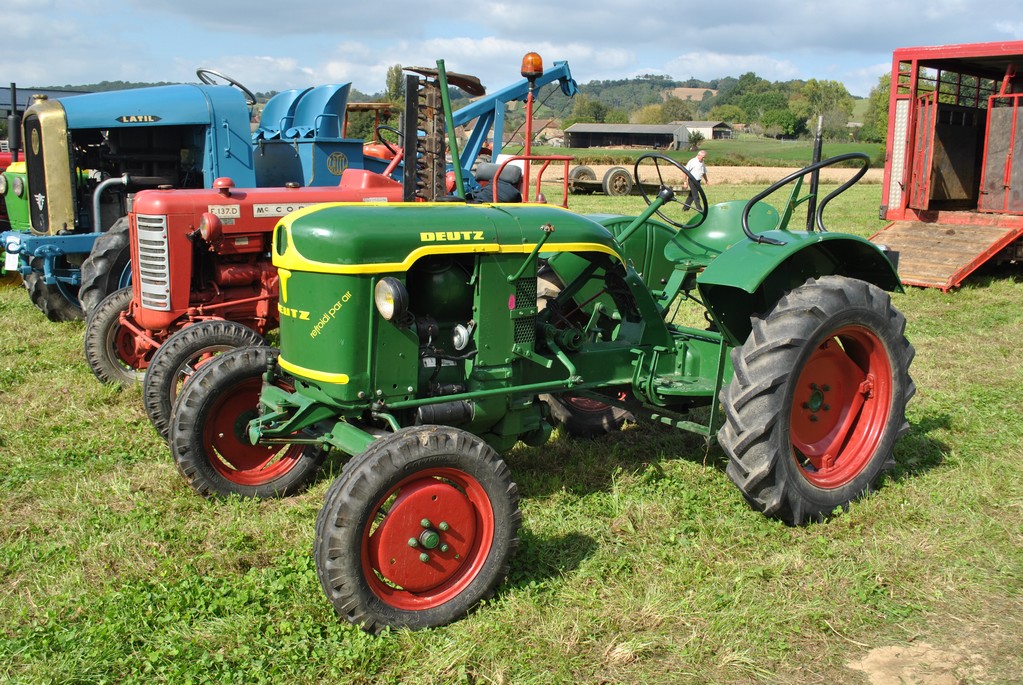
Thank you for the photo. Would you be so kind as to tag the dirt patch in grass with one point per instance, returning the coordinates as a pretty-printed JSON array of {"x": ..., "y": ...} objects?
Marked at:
[{"x": 920, "y": 664}]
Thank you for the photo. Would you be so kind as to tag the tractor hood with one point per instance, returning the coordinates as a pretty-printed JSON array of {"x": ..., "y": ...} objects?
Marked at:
[
  {"x": 157, "y": 106},
  {"x": 366, "y": 238}
]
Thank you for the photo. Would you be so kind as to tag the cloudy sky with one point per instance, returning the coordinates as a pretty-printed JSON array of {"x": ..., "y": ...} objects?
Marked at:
[{"x": 280, "y": 44}]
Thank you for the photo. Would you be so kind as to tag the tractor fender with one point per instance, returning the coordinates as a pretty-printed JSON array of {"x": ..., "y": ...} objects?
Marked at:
[{"x": 749, "y": 277}]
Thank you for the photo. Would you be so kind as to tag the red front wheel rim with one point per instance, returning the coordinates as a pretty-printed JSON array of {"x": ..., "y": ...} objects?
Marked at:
[
  {"x": 840, "y": 407},
  {"x": 428, "y": 540},
  {"x": 226, "y": 435},
  {"x": 126, "y": 348}
]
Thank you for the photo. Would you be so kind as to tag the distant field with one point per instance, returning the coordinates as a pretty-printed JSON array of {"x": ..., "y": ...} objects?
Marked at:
[{"x": 860, "y": 109}]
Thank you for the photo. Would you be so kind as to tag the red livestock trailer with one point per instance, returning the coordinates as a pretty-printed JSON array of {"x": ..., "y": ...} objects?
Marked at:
[{"x": 953, "y": 177}]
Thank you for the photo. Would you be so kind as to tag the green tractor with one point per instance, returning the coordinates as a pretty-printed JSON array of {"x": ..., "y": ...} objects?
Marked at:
[{"x": 424, "y": 339}]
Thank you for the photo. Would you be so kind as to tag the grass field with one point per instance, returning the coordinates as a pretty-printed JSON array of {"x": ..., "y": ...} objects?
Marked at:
[{"x": 639, "y": 561}]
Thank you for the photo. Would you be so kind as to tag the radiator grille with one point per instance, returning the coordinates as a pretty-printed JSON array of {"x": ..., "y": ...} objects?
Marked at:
[
  {"x": 525, "y": 296},
  {"x": 154, "y": 262}
]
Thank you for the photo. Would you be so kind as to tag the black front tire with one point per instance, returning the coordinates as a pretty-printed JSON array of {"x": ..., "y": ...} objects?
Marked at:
[
  {"x": 818, "y": 399},
  {"x": 111, "y": 349},
  {"x": 441, "y": 486},
  {"x": 105, "y": 269},
  {"x": 178, "y": 359},
  {"x": 583, "y": 417},
  {"x": 209, "y": 438}
]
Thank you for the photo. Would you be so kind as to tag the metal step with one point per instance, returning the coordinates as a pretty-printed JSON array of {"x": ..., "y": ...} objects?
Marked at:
[{"x": 941, "y": 255}]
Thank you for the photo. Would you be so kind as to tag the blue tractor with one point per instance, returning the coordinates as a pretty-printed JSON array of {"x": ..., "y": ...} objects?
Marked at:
[{"x": 86, "y": 155}]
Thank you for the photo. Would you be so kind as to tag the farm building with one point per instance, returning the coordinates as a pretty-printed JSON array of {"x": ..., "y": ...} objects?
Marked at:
[
  {"x": 669, "y": 136},
  {"x": 710, "y": 130}
]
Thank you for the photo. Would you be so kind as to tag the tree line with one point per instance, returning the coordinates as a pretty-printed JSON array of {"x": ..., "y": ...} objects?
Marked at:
[{"x": 781, "y": 109}]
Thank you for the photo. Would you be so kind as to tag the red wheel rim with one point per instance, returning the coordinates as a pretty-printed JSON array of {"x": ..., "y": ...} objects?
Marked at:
[
  {"x": 226, "y": 437},
  {"x": 125, "y": 346},
  {"x": 191, "y": 366},
  {"x": 448, "y": 515},
  {"x": 840, "y": 407}
]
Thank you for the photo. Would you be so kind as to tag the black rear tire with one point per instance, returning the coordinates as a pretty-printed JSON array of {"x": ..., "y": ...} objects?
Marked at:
[
  {"x": 209, "y": 438},
  {"x": 57, "y": 302},
  {"x": 421, "y": 482},
  {"x": 106, "y": 268},
  {"x": 178, "y": 359},
  {"x": 818, "y": 399}
]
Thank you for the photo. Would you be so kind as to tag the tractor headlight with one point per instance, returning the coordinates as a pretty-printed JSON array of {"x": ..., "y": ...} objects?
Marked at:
[
  {"x": 18, "y": 186},
  {"x": 3, "y": 184},
  {"x": 391, "y": 299},
  {"x": 210, "y": 227}
]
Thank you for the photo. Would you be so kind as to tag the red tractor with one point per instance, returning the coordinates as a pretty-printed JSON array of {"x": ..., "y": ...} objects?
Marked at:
[{"x": 202, "y": 257}]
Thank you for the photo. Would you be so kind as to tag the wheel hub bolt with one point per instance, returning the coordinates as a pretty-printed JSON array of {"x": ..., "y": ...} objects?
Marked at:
[
  {"x": 425, "y": 523},
  {"x": 429, "y": 539},
  {"x": 412, "y": 542},
  {"x": 444, "y": 548},
  {"x": 443, "y": 525},
  {"x": 816, "y": 400},
  {"x": 424, "y": 557}
]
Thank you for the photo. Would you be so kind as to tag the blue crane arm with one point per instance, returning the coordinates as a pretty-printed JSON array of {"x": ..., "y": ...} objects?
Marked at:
[{"x": 489, "y": 110}]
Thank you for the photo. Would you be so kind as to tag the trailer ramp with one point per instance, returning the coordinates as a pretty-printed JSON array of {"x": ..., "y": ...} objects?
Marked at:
[{"x": 942, "y": 254}]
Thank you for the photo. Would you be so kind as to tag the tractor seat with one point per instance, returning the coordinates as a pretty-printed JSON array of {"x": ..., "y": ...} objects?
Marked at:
[
  {"x": 512, "y": 173},
  {"x": 278, "y": 114},
  {"x": 508, "y": 183},
  {"x": 695, "y": 248},
  {"x": 320, "y": 112}
]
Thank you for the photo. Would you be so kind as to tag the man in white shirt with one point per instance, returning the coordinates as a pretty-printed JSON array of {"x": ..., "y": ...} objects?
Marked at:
[{"x": 699, "y": 171}]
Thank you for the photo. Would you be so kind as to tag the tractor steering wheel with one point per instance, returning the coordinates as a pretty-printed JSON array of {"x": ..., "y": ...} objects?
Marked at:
[
  {"x": 699, "y": 198},
  {"x": 207, "y": 76},
  {"x": 383, "y": 142}
]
